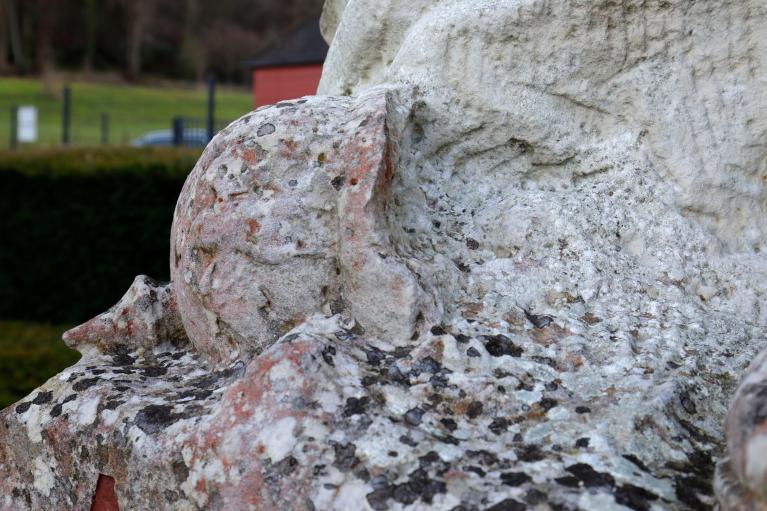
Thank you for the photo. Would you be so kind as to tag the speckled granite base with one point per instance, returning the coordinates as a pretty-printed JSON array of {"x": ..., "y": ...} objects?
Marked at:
[{"x": 326, "y": 420}]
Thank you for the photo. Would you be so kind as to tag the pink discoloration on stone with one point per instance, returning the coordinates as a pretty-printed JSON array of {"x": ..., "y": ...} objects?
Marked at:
[{"x": 144, "y": 317}]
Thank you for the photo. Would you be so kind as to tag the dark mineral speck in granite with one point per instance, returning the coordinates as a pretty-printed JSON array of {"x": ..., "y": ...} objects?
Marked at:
[
  {"x": 515, "y": 478},
  {"x": 345, "y": 456},
  {"x": 589, "y": 477},
  {"x": 154, "y": 418},
  {"x": 42, "y": 397},
  {"x": 568, "y": 481},
  {"x": 474, "y": 409},
  {"x": 265, "y": 129},
  {"x": 414, "y": 416},
  {"x": 438, "y": 330},
  {"x": 634, "y": 497},
  {"x": 356, "y": 406},
  {"x": 687, "y": 403},
  {"x": 154, "y": 371},
  {"x": 499, "y": 425},
  {"x": 636, "y": 461},
  {"x": 121, "y": 357},
  {"x": 180, "y": 470},
  {"x": 534, "y": 496},
  {"x": 475, "y": 469},
  {"x": 508, "y": 505},
  {"x": 374, "y": 356},
  {"x": 23, "y": 407},
  {"x": 338, "y": 181},
  {"x": 529, "y": 453},
  {"x": 547, "y": 403},
  {"x": 449, "y": 424},
  {"x": 500, "y": 345},
  {"x": 428, "y": 459},
  {"x": 538, "y": 320},
  {"x": 425, "y": 365},
  {"x": 85, "y": 383},
  {"x": 484, "y": 457},
  {"x": 461, "y": 338},
  {"x": 327, "y": 355},
  {"x": 112, "y": 404}
]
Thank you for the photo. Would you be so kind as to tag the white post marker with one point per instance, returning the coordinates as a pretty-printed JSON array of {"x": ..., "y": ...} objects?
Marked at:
[{"x": 26, "y": 120}]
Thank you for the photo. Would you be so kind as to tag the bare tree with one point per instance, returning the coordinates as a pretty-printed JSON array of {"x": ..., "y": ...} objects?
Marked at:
[
  {"x": 4, "y": 64},
  {"x": 193, "y": 52},
  {"x": 45, "y": 11},
  {"x": 14, "y": 32},
  {"x": 138, "y": 15},
  {"x": 90, "y": 35}
]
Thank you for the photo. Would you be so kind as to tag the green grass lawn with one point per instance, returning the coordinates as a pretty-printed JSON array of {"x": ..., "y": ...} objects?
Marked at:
[
  {"x": 30, "y": 354},
  {"x": 132, "y": 110}
]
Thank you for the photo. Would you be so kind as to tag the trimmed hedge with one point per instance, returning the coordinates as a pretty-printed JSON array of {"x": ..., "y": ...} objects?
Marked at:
[
  {"x": 76, "y": 225},
  {"x": 31, "y": 354}
]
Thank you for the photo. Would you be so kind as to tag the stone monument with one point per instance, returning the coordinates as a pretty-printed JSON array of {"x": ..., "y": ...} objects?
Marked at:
[{"x": 510, "y": 257}]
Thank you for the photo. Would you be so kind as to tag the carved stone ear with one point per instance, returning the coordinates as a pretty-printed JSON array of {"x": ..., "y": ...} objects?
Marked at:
[
  {"x": 145, "y": 317},
  {"x": 385, "y": 296}
]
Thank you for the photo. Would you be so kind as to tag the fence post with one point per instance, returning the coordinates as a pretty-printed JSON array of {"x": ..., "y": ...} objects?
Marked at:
[
  {"x": 14, "y": 127},
  {"x": 66, "y": 113},
  {"x": 178, "y": 131},
  {"x": 104, "y": 128},
  {"x": 211, "y": 106}
]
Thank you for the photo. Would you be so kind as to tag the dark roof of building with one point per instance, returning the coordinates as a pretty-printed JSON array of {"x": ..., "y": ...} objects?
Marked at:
[{"x": 304, "y": 46}]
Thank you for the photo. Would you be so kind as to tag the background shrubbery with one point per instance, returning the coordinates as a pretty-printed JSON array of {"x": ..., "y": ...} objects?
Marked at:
[
  {"x": 76, "y": 226},
  {"x": 31, "y": 353}
]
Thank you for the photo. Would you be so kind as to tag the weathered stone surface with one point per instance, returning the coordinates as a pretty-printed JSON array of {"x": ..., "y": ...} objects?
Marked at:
[
  {"x": 580, "y": 85},
  {"x": 530, "y": 274},
  {"x": 283, "y": 217}
]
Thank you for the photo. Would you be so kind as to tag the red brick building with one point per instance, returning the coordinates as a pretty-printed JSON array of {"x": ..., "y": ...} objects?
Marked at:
[{"x": 291, "y": 68}]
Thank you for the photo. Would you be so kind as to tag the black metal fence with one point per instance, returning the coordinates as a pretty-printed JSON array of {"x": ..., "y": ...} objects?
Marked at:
[
  {"x": 138, "y": 119},
  {"x": 192, "y": 132}
]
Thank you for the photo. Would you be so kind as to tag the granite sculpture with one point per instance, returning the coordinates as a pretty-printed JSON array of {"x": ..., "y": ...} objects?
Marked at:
[{"x": 510, "y": 257}]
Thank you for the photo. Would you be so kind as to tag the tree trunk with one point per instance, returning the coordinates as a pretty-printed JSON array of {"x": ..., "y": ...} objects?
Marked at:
[
  {"x": 90, "y": 36},
  {"x": 43, "y": 58},
  {"x": 4, "y": 64},
  {"x": 14, "y": 32},
  {"x": 139, "y": 12},
  {"x": 192, "y": 50}
]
